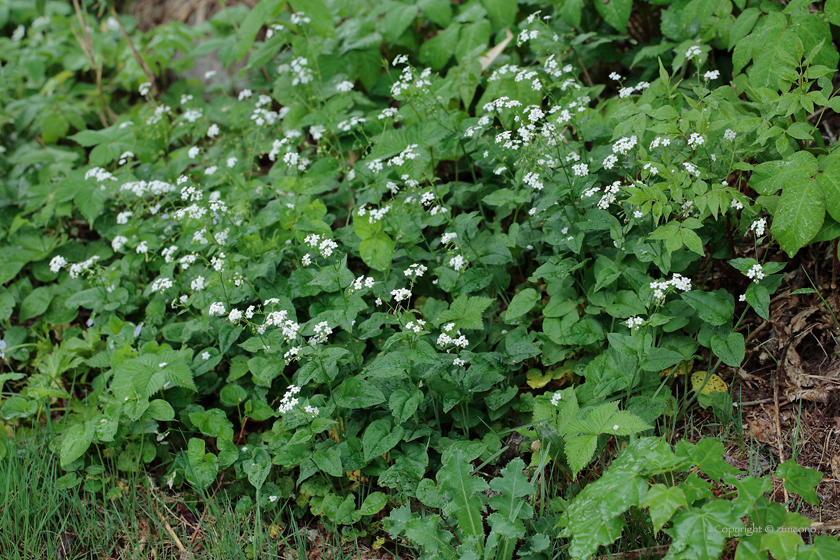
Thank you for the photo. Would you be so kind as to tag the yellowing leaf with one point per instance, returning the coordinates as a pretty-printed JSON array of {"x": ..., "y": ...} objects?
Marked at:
[
  {"x": 537, "y": 379},
  {"x": 681, "y": 368},
  {"x": 715, "y": 384}
]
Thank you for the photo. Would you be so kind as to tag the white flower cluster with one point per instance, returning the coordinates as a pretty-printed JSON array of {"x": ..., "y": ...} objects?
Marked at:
[
  {"x": 322, "y": 331},
  {"x": 448, "y": 238},
  {"x": 407, "y": 154},
  {"x": 416, "y": 270},
  {"x": 157, "y": 116},
  {"x": 118, "y": 242},
  {"x": 556, "y": 398},
  {"x": 658, "y": 141},
  {"x": 756, "y": 273},
  {"x": 57, "y": 263},
  {"x": 415, "y": 326},
  {"x": 695, "y": 140},
  {"x": 77, "y": 268},
  {"x": 692, "y": 51},
  {"x": 609, "y": 161},
  {"x": 161, "y": 284},
  {"x": 634, "y": 323},
  {"x": 142, "y": 188},
  {"x": 216, "y": 308},
  {"x": 311, "y": 410},
  {"x": 533, "y": 180},
  {"x": 288, "y": 328},
  {"x": 99, "y": 174},
  {"x": 624, "y": 145},
  {"x": 361, "y": 282},
  {"x": 325, "y": 246},
  {"x": 445, "y": 340},
  {"x": 289, "y": 401},
  {"x": 347, "y": 125},
  {"x": 389, "y": 113},
  {"x": 407, "y": 79},
  {"x": 758, "y": 227},
  {"x": 691, "y": 168},
  {"x": 712, "y": 75},
  {"x": 736, "y": 204},
  {"x": 609, "y": 195},
  {"x": 677, "y": 281},
  {"x": 729, "y": 134},
  {"x": 457, "y": 263},
  {"x": 401, "y": 294}
]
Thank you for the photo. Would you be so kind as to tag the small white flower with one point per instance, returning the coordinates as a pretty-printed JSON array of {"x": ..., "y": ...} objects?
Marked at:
[
  {"x": 615, "y": 76},
  {"x": 729, "y": 134},
  {"x": 615, "y": 428},
  {"x": 742, "y": 297},
  {"x": 205, "y": 355},
  {"x": 57, "y": 263},
  {"x": 144, "y": 88},
  {"x": 193, "y": 152},
  {"x": 692, "y": 51},
  {"x": 712, "y": 75}
]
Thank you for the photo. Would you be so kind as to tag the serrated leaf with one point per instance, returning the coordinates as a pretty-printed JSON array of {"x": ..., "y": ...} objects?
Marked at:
[
  {"x": 466, "y": 312},
  {"x": 579, "y": 451},
  {"x": 462, "y": 489}
]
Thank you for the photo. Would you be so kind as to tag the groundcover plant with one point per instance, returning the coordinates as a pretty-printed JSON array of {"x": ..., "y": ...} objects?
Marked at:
[{"x": 434, "y": 276}]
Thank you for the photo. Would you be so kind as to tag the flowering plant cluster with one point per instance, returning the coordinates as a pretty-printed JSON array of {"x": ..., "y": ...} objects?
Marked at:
[{"x": 361, "y": 269}]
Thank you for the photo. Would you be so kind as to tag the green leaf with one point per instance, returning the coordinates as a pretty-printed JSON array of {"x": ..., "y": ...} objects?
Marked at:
[
  {"x": 824, "y": 547},
  {"x": 696, "y": 532},
  {"x": 759, "y": 298},
  {"x": 615, "y": 12},
  {"x": 356, "y": 393},
  {"x": 257, "y": 467},
  {"x": 36, "y": 303},
  {"x": 379, "y": 439},
  {"x": 474, "y": 38},
  {"x": 161, "y": 410},
  {"x": 662, "y": 501},
  {"x": 571, "y": 11},
  {"x": 466, "y": 312},
  {"x": 711, "y": 307},
  {"x": 373, "y": 504},
  {"x": 800, "y": 480},
  {"x": 437, "y": 51},
  {"x": 513, "y": 485},
  {"x": 579, "y": 451},
  {"x": 730, "y": 349},
  {"x": 75, "y": 442},
  {"x": 800, "y": 215},
  {"x": 201, "y": 468},
  {"x": 658, "y": 359},
  {"x": 521, "y": 303},
  {"x": 403, "y": 406},
  {"x": 501, "y": 12},
  {"x": 377, "y": 251},
  {"x": 462, "y": 489},
  {"x": 781, "y": 544},
  {"x": 832, "y": 11}
]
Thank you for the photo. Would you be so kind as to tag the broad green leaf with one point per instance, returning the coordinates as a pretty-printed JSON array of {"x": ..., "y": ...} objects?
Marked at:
[
  {"x": 781, "y": 544},
  {"x": 257, "y": 467},
  {"x": 36, "y": 303},
  {"x": 403, "y": 405},
  {"x": 759, "y": 298},
  {"x": 466, "y": 312},
  {"x": 824, "y": 547},
  {"x": 696, "y": 532},
  {"x": 501, "y": 12},
  {"x": 373, "y": 504},
  {"x": 800, "y": 215},
  {"x": 259, "y": 15},
  {"x": 75, "y": 442},
  {"x": 800, "y": 480},
  {"x": 712, "y": 307},
  {"x": 357, "y": 393},
  {"x": 379, "y": 438},
  {"x": 662, "y": 501},
  {"x": 437, "y": 51},
  {"x": 521, "y": 303},
  {"x": 161, "y": 410},
  {"x": 615, "y": 12},
  {"x": 658, "y": 359},
  {"x": 377, "y": 251},
  {"x": 730, "y": 349},
  {"x": 201, "y": 468}
]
